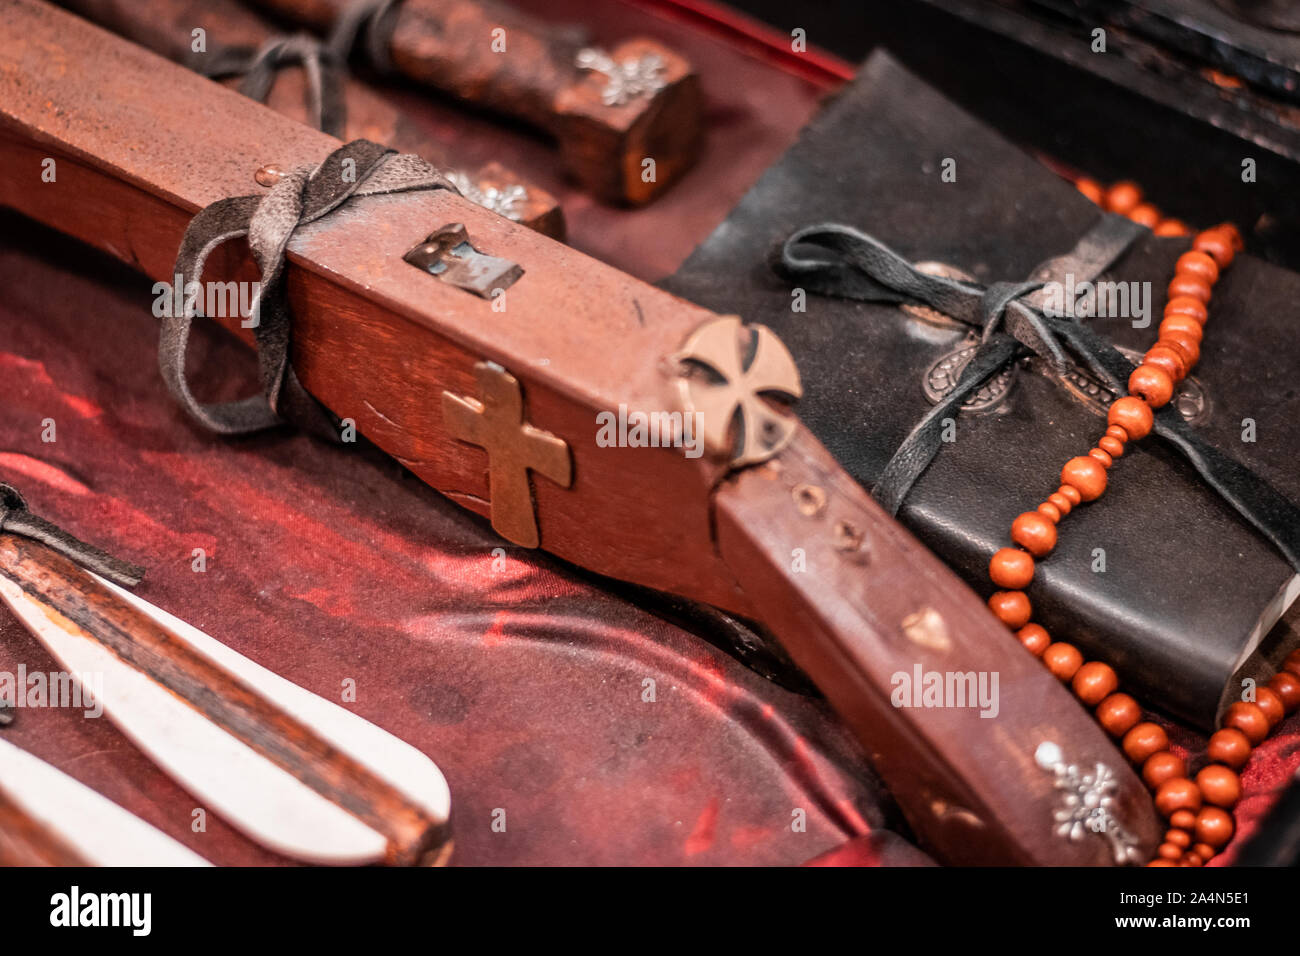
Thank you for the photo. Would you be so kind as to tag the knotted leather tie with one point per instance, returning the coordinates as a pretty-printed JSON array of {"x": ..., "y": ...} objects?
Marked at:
[
  {"x": 838, "y": 260},
  {"x": 358, "y": 170},
  {"x": 259, "y": 67},
  {"x": 16, "y": 519},
  {"x": 368, "y": 25}
]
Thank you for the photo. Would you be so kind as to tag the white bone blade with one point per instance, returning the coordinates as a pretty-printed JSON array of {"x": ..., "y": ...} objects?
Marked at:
[
  {"x": 97, "y": 829},
  {"x": 267, "y": 803}
]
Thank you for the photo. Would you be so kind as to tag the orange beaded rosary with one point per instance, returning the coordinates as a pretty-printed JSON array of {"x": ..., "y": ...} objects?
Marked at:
[{"x": 1197, "y": 809}]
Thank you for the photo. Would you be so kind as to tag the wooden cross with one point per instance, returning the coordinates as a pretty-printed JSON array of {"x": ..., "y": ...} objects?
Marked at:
[{"x": 496, "y": 424}]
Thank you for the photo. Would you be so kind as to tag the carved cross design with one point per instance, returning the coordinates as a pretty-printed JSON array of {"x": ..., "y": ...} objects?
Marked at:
[
  {"x": 731, "y": 390},
  {"x": 495, "y": 422}
]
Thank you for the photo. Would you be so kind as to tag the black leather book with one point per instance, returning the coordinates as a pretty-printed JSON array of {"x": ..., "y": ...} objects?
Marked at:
[{"x": 1159, "y": 577}]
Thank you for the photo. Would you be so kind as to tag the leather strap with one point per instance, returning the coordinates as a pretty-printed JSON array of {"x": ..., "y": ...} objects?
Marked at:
[
  {"x": 260, "y": 66},
  {"x": 838, "y": 260},
  {"x": 358, "y": 170},
  {"x": 15, "y": 518},
  {"x": 367, "y": 24}
]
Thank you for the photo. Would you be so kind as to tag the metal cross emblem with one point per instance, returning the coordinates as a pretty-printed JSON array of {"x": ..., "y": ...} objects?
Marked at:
[
  {"x": 496, "y": 423},
  {"x": 505, "y": 201},
  {"x": 625, "y": 79},
  {"x": 1088, "y": 803},
  {"x": 728, "y": 369}
]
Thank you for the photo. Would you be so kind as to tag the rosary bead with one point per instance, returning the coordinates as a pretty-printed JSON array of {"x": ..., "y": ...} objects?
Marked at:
[
  {"x": 1011, "y": 608},
  {"x": 1177, "y": 794},
  {"x": 1063, "y": 660},
  {"x": 1070, "y": 494},
  {"x": 1094, "y": 682},
  {"x": 1198, "y": 264},
  {"x": 1181, "y": 325},
  {"x": 1133, "y": 415},
  {"x": 1292, "y": 663},
  {"x": 1144, "y": 740},
  {"x": 1219, "y": 785},
  {"x": 1179, "y": 837},
  {"x": 1161, "y": 766},
  {"x": 1145, "y": 215},
  {"x": 1183, "y": 819},
  {"x": 1214, "y": 827},
  {"x": 1192, "y": 859},
  {"x": 1152, "y": 385},
  {"x": 1217, "y": 244},
  {"x": 1185, "y": 305},
  {"x": 1011, "y": 568},
  {"x": 1229, "y": 747},
  {"x": 1035, "y": 638},
  {"x": 1168, "y": 360},
  {"x": 1171, "y": 227},
  {"x": 1230, "y": 231},
  {"x": 1085, "y": 474},
  {"x": 1123, "y": 197},
  {"x": 1111, "y": 446},
  {"x": 1090, "y": 188},
  {"x": 1267, "y": 700},
  {"x": 1060, "y": 502},
  {"x": 1170, "y": 851},
  {"x": 1034, "y": 532},
  {"x": 1185, "y": 345},
  {"x": 1249, "y": 719},
  {"x": 1117, "y": 432},
  {"x": 1287, "y": 687},
  {"x": 1099, "y": 454},
  {"x": 1191, "y": 286},
  {"x": 1118, "y": 714},
  {"x": 1050, "y": 511}
]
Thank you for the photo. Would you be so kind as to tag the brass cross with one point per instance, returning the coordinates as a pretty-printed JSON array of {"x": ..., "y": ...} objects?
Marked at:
[{"x": 496, "y": 424}]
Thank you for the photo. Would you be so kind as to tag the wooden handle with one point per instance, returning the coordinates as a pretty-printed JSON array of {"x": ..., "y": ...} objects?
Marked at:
[
  {"x": 69, "y": 602},
  {"x": 857, "y": 602},
  {"x": 165, "y": 26},
  {"x": 25, "y": 841},
  {"x": 500, "y": 59}
]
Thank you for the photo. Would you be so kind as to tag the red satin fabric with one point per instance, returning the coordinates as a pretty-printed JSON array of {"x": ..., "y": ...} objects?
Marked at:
[{"x": 523, "y": 678}]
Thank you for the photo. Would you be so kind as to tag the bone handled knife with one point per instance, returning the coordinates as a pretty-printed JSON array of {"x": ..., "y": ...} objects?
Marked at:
[
  {"x": 298, "y": 774},
  {"x": 166, "y": 27},
  {"x": 610, "y": 110},
  {"x": 49, "y": 819},
  {"x": 537, "y": 416}
]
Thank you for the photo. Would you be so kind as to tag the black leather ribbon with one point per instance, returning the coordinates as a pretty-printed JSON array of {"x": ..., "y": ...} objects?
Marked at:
[
  {"x": 259, "y": 67},
  {"x": 357, "y": 170},
  {"x": 838, "y": 260},
  {"x": 16, "y": 519},
  {"x": 367, "y": 25}
]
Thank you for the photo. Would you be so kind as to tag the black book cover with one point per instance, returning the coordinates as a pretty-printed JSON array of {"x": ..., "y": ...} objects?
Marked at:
[{"x": 1160, "y": 577}]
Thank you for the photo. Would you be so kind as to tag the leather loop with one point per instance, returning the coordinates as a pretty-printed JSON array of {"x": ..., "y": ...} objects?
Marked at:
[
  {"x": 367, "y": 24},
  {"x": 16, "y": 519},
  {"x": 358, "y": 170},
  {"x": 259, "y": 67}
]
